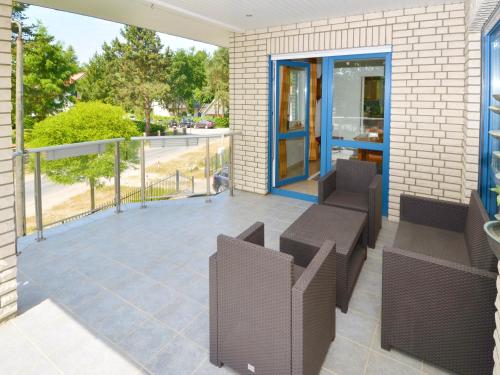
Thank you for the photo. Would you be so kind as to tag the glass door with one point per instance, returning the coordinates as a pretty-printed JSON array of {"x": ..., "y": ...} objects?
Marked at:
[
  {"x": 358, "y": 117},
  {"x": 292, "y": 122},
  {"x": 490, "y": 156}
]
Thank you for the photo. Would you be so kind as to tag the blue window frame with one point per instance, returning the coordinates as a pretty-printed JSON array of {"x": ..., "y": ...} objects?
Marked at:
[
  {"x": 489, "y": 120},
  {"x": 326, "y": 124},
  {"x": 328, "y": 142},
  {"x": 303, "y": 134}
]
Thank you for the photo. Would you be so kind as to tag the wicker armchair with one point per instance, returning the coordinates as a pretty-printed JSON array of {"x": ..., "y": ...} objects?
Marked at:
[
  {"x": 438, "y": 285},
  {"x": 355, "y": 185},
  {"x": 268, "y": 316}
]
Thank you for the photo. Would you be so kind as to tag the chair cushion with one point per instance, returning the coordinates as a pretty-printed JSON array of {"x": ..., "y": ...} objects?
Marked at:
[
  {"x": 297, "y": 272},
  {"x": 438, "y": 243},
  {"x": 349, "y": 200}
]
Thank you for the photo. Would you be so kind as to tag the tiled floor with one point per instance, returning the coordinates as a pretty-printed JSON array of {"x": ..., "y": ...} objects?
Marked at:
[{"x": 128, "y": 293}]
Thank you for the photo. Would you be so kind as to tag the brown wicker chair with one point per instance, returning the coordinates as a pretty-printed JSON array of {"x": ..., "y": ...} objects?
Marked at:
[
  {"x": 438, "y": 285},
  {"x": 355, "y": 185},
  {"x": 268, "y": 316}
]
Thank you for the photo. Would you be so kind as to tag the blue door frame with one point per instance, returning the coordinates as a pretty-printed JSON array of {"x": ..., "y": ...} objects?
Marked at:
[
  {"x": 326, "y": 124},
  {"x": 327, "y": 115},
  {"x": 489, "y": 121},
  {"x": 295, "y": 134}
]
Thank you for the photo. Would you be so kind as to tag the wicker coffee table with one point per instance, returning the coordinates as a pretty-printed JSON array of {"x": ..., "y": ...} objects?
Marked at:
[{"x": 347, "y": 228}]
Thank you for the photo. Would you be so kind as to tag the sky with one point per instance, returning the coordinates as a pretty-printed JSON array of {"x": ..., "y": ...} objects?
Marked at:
[{"x": 86, "y": 34}]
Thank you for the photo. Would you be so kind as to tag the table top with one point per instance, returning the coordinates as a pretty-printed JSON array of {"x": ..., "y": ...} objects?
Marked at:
[{"x": 320, "y": 223}]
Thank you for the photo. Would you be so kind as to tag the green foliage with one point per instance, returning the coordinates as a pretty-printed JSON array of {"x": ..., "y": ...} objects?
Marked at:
[
  {"x": 186, "y": 75},
  {"x": 141, "y": 127},
  {"x": 496, "y": 189},
  {"x": 218, "y": 78},
  {"x": 85, "y": 122},
  {"x": 48, "y": 66},
  {"x": 132, "y": 73},
  {"x": 222, "y": 122}
]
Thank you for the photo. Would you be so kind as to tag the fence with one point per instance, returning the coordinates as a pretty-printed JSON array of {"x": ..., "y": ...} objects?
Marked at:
[{"x": 154, "y": 189}]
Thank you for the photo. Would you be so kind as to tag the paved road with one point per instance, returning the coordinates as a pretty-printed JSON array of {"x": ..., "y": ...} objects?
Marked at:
[{"x": 54, "y": 194}]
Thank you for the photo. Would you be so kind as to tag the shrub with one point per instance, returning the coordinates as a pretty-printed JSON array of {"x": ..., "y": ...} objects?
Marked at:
[
  {"x": 222, "y": 122},
  {"x": 90, "y": 121}
]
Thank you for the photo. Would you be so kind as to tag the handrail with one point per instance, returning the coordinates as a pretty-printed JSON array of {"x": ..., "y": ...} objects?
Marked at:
[
  {"x": 73, "y": 145},
  {"x": 96, "y": 147},
  {"x": 189, "y": 136}
]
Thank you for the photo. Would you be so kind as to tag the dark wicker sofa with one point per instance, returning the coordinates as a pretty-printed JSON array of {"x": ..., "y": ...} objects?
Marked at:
[
  {"x": 268, "y": 316},
  {"x": 438, "y": 285},
  {"x": 355, "y": 185}
]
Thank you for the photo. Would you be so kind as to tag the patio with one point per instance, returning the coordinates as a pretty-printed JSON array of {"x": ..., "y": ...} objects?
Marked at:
[{"x": 128, "y": 293}]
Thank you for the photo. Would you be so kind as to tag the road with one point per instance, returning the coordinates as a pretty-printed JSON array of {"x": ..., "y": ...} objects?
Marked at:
[{"x": 54, "y": 194}]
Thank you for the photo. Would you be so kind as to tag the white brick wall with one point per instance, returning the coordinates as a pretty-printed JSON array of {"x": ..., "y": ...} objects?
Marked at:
[
  {"x": 8, "y": 294},
  {"x": 428, "y": 108}
]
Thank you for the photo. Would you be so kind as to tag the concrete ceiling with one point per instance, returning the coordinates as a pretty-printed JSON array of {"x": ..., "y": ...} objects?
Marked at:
[{"x": 212, "y": 21}]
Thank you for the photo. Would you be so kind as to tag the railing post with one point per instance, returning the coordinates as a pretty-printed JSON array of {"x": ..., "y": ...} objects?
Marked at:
[
  {"x": 192, "y": 184},
  {"x": 207, "y": 169},
  {"x": 92, "y": 194},
  {"x": 143, "y": 175},
  {"x": 177, "y": 180},
  {"x": 117, "y": 178},
  {"x": 231, "y": 165},
  {"x": 38, "y": 199}
]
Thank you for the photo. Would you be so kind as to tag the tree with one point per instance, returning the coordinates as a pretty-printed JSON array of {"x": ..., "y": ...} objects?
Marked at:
[
  {"x": 186, "y": 76},
  {"x": 100, "y": 80},
  {"x": 132, "y": 72},
  {"x": 218, "y": 78},
  {"x": 48, "y": 66},
  {"x": 85, "y": 122}
]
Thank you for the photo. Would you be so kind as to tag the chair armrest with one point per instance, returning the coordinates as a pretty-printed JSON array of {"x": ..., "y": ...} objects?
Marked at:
[
  {"x": 434, "y": 213},
  {"x": 254, "y": 234},
  {"x": 437, "y": 310},
  {"x": 375, "y": 206},
  {"x": 313, "y": 312},
  {"x": 327, "y": 185}
]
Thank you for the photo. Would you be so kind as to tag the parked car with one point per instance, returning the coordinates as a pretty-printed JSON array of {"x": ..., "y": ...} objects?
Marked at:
[
  {"x": 172, "y": 123},
  {"x": 221, "y": 180},
  {"x": 187, "y": 122},
  {"x": 205, "y": 124}
]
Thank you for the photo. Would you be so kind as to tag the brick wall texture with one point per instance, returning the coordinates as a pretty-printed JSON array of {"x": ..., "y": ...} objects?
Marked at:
[
  {"x": 434, "y": 103},
  {"x": 8, "y": 294}
]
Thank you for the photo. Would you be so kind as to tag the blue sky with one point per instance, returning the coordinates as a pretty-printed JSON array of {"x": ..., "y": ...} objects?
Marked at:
[{"x": 86, "y": 34}]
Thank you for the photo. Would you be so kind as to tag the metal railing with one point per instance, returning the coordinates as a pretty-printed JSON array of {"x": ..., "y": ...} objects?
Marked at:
[{"x": 154, "y": 190}]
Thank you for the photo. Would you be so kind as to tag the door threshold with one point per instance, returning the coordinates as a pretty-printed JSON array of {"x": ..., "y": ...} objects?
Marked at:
[{"x": 295, "y": 195}]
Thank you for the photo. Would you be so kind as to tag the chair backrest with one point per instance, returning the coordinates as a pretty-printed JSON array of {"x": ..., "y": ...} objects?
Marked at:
[
  {"x": 254, "y": 306},
  {"x": 355, "y": 175},
  {"x": 477, "y": 243}
]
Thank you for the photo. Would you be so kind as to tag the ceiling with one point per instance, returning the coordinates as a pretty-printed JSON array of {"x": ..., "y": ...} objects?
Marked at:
[{"x": 212, "y": 21}]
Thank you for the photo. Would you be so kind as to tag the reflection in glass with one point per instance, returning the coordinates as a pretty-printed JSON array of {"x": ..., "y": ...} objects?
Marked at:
[
  {"x": 293, "y": 95},
  {"x": 358, "y": 100},
  {"x": 291, "y": 157},
  {"x": 357, "y": 154}
]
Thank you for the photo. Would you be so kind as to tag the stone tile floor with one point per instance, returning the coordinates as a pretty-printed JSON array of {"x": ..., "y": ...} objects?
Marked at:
[{"x": 128, "y": 293}]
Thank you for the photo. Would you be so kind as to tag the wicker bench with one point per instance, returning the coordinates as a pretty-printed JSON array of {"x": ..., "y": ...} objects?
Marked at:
[{"x": 438, "y": 285}]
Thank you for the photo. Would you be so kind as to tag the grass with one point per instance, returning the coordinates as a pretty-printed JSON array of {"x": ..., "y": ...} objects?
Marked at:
[{"x": 191, "y": 163}]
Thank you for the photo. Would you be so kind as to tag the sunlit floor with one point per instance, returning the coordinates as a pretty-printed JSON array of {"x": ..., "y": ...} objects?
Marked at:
[
  {"x": 128, "y": 293},
  {"x": 309, "y": 186}
]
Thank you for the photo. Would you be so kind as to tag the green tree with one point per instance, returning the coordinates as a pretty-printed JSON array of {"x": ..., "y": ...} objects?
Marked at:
[
  {"x": 85, "y": 122},
  {"x": 186, "y": 78},
  {"x": 100, "y": 81},
  {"x": 218, "y": 78},
  {"x": 48, "y": 66},
  {"x": 132, "y": 72}
]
